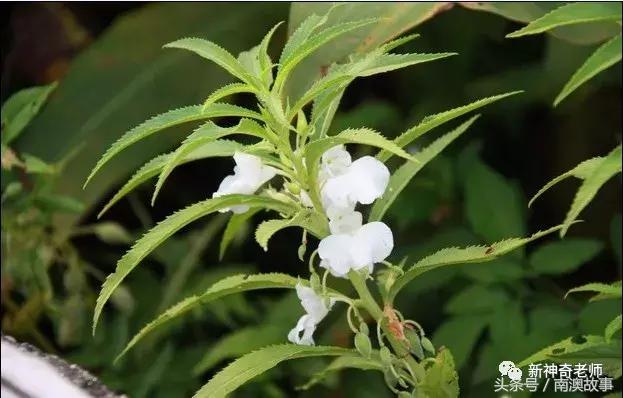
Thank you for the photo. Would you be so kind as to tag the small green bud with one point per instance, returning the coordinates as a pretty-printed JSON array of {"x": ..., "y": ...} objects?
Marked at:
[
  {"x": 427, "y": 345},
  {"x": 363, "y": 328},
  {"x": 363, "y": 344},
  {"x": 294, "y": 188},
  {"x": 386, "y": 355},
  {"x": 314, "y": 281},
  {"x": 301, "y": 251},
  {"x": 415, "y": 345}
]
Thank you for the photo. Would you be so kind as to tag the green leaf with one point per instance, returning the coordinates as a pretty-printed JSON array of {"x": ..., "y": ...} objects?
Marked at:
[
  {"x": 266, "y": 64},
  {"x": 389, "y": 62},
  {"x": 493, "y": 206},
  {"x": 226, "y": 91},
  {"x": 364, "y": 136},
  {"x": 163, "y": 230},
  {"x": 169, "y": 119},
  {"x": 206, "y": 133},
  {"x": 239, "y": 343},
  {"x": 344, "y": 362},
  {"x": 459, "y": 334},
  {"x": 301, "y": 35},
  {"x": 257, "y": 362},
  {"x": 230, "y": 285},
  {"x": 455, "y": 255},
  {"x": 581, "y": 171},
  {"x": 441, "y": 379},
  {"x": 21, "y": 108},
  {"x": 564, "y": 256},
  {"x": 215, "y": 53},
  {"x": 611, "y": 291},
  {"x": 610, "y": 166},
  {"x": 236, "y": 221},
  {"x": 604, "y": 57},
  {"x": 152, "y": 168},
  {"x": 581, "y": 349},
  {"x": 569, "y": 14},
  {"x": 401, "y": 177},
  {"x": 315, "y": 41},
  {"x": 613, "y": 327},
  {"x": 432, "y": 121},
  {"x": 525, "y": 12},
  {"x": 305, "y": 219}
]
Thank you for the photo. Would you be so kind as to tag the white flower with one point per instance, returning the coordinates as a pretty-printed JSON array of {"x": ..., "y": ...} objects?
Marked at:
[
  {"x": 353, "y": 246},
  {"x": 316, "y": 309},
  {"x": 249, "y": 175},
  {"x": 363, "y": 181}
]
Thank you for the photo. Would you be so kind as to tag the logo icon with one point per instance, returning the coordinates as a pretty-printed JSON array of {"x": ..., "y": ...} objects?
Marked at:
[{"x": 508, "y": 368}]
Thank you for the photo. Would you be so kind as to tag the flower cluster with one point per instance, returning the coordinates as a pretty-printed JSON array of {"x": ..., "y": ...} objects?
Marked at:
[{"x": 351, "y": 245}]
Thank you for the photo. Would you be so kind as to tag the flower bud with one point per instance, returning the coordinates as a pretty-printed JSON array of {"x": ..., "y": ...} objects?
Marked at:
[
  {"x": 386, "y": 355},
  {"x": 363, "y": 344},
  {"x": 363, "y": 328},
  {"x": 427, "y": 345},
  {"x": 415, "y": 345}
]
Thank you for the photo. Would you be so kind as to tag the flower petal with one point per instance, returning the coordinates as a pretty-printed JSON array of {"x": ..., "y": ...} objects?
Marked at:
[
  {"x": 333, "y": 250},
  {"x": 305, "y": 325},
  {"x": 368, "y": 179},
  {"x": 378, "y": 238}
]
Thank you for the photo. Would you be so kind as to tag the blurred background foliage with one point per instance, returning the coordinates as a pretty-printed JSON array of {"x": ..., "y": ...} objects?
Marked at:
[{"x": 112, "y": 74}]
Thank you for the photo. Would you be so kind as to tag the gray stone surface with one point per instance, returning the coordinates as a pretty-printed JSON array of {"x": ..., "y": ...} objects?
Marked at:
[{"x": 74, "y": 373}]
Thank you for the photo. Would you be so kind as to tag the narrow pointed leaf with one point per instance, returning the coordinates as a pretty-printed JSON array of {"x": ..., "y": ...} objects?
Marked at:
[
  {"x": 216, "y": 54},
  {"x": 363, "y": 136},
  {"x": 604, "y": 57},
  {"x": 257, "y": 362},
  {"x": 226, "y": 91},
  {"x": 169, "y": 119},
  {"x": 305, "y": 219},
  {"x": 581, "y": 171},
  {"x": 610, "y": 166},
  {"x": 163, "y": 230},
  {"x": 390, "y": 62},
  {"x": 401, "y": 177},
  {"x": 313, "y": 43},
  {"x": 570, "y": 14},
  {"x": 266, "y": 64},
  {"x": 230, "y": 285},
  {"x": 301, "y": 34},
  {"x": 613, "y": 290},
  {"x": 456, "y": 255},
  {"x": 432, "y": 121}
]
